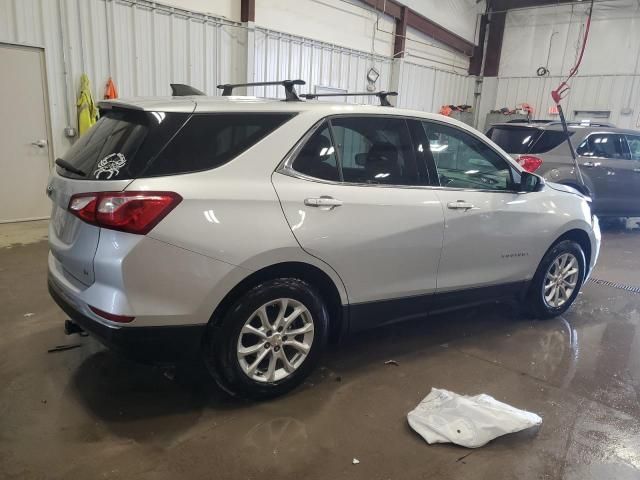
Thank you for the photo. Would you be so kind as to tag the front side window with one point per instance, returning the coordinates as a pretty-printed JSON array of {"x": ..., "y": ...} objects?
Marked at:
[
  {"x": 634, "y": 146},
  {"x": 463, "y": 161},
  {"x": 376, "y": 150},
  {"x": 602, "y": 145}
]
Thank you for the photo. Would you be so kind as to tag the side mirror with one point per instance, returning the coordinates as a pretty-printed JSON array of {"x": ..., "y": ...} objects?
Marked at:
[{"x": 530, "y": 182}]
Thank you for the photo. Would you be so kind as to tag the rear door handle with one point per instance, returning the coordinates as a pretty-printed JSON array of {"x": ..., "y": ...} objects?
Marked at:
[
  {"x": 327, "y": 202},
  {"x": 591, "y": 164},
  {"x": 461, "y": 205},
  {"x": 637, "y": 170}
]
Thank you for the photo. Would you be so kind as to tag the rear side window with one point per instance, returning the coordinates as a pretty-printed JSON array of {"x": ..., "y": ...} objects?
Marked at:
[
  {"x": 364, "y": 150},
  {"x": 127, "y": 144},
  {"x": 514, "y": 140},
  {"x": 317, "y": 158},
  {"x": 210, "y": 140},
  {"x": 376, "y": 150}
]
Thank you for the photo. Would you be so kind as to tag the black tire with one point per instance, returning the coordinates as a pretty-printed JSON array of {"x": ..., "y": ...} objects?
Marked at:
[
  {"x": 220, "y": 351},
  {"x": 535, "y": 304}
]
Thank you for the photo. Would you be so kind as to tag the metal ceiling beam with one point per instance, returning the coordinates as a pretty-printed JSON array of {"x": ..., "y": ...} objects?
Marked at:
[
  {"x": 393, "y": 8},
  {"x": 399, "y": 43},
  {"x": 494, "y": 43},
  {"x": 247, "y": 10},
  {"x": 503, "y": 5},
  {"x": 475, "y": 64}
]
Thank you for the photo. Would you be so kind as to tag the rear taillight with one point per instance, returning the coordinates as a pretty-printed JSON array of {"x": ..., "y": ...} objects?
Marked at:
[
  {"x": 132, "y": 212},
  {"x": 529, "y": 162}
]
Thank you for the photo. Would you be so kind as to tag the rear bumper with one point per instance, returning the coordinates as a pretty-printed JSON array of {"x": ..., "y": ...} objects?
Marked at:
[{"x": 157, "y": 344}]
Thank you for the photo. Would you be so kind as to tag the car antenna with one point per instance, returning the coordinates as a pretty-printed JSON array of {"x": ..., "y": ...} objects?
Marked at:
[{"x": 182, "y": 90}]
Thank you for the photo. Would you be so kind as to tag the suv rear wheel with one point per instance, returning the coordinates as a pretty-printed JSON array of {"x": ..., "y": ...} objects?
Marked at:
[
  {"x": 557, "y": 281},
  {"x": 269, "y": 340}
]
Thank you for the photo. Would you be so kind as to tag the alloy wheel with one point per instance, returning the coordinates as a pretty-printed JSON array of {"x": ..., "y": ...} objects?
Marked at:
[
  {"x": 560, "y": 280},
  {"x": 275, "y": 340}
]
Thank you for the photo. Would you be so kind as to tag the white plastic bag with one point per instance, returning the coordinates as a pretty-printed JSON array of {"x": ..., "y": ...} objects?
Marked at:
[{"x": 444, "y": 416}]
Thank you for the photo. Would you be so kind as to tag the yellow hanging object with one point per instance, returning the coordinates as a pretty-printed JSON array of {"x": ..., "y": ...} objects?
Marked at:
[{"x": 87, "y": 111}]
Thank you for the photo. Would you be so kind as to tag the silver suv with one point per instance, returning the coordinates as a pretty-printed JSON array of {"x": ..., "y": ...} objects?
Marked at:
[
  {"x": 250, "y": 232},
  {"x": 609, "y": 160}
]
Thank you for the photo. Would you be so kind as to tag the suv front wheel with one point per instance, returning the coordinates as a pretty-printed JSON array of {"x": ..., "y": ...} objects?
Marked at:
[
  {"x": 557, "y": 281},
  {"x": 269, "y": 340}
]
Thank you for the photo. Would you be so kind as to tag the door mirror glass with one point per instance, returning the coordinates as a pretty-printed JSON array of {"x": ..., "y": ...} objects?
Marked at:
[{"x": 530, "y": 182}]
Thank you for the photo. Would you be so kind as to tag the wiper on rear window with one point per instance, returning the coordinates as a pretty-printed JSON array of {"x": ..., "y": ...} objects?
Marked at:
[{"x": 67, "y": 166}]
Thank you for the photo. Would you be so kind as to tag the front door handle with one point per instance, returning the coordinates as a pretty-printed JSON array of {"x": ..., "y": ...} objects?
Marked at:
[
  {"x": 326, "y": 202},
  {"x": 591, "y": 164},
  {"x": 461, "y": 205},
  {"x": 39, "y": 143},
  {"x": 637, "y": 170}
]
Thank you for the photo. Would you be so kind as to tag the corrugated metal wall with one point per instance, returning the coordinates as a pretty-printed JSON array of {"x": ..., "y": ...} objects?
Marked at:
[
  {"x": 143, "y": 45},
  {"x": 281, "y": 56},
  {"x": 146, "y": 45},
  {"x": 597, "y": 92},
  {"x": 427, "y": 88}
]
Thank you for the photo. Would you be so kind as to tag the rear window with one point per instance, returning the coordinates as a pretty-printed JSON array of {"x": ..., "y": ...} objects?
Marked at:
[
  {"x": 518, "y": 140},
  {"x": 549, "y": 140},
  {"x": 127, "y": 144},
  {"x": 514, "y": 139}
]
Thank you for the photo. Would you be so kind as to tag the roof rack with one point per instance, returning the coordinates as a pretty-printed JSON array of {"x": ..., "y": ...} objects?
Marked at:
[
  {"x": 289, "y": 88},
  {"x": 556, "y": 122},
  {"x": 524, "y": 120},
  {"x": 585, "y": 124},
  {"x": 382, "y": 95},
  {"x": 182, "y": 90}
]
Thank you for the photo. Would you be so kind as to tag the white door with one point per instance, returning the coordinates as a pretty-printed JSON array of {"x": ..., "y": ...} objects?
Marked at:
[
  {"x": 353, "y": 198},
  {"x": 24, "y": 136},
  {"x": 492, "y": 232}
]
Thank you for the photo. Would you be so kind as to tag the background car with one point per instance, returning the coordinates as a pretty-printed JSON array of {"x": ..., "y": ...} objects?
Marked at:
[{"x": 609, "y": 160}]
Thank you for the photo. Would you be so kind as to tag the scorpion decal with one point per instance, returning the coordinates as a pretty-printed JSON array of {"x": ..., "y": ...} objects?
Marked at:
[{"x": 111, "y": 165}]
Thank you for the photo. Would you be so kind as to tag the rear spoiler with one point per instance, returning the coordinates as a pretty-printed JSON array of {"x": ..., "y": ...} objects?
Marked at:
[{"x": 111, "y": 104}]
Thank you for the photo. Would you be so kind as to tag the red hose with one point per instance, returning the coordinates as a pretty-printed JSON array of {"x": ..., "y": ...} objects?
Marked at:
[{"x": 560, "y": 92}]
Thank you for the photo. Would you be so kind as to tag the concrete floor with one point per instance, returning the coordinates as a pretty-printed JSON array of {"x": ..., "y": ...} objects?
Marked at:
[{"x": 86, "y": 413}]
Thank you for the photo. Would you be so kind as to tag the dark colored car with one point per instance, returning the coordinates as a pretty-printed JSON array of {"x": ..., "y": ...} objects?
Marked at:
[{"x": 609, "y": 160}]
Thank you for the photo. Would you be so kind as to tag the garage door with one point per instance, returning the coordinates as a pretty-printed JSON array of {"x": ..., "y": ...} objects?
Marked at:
[{"x": 25, "y": 159}]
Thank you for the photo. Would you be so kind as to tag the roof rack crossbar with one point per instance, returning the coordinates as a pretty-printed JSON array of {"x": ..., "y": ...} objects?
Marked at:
[
  {"x": 382, "y": 95},
  {"x": 289, "y": 87}
]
